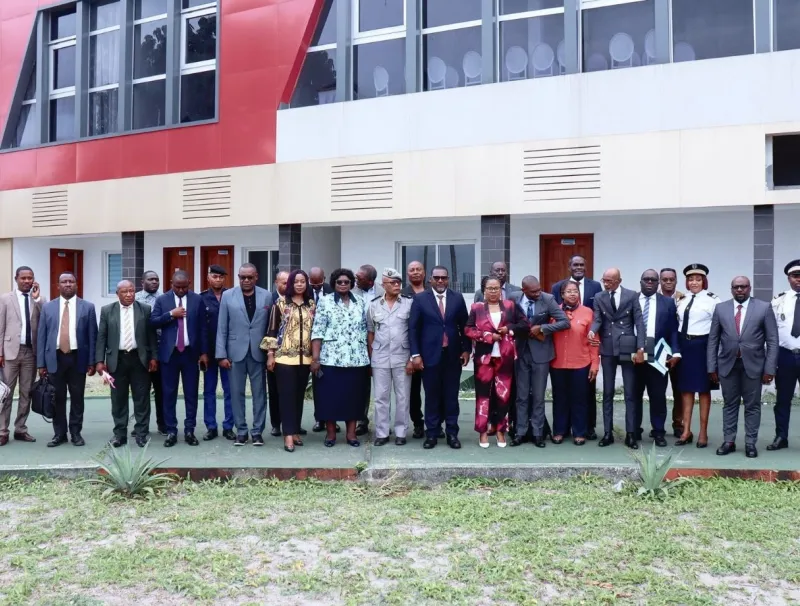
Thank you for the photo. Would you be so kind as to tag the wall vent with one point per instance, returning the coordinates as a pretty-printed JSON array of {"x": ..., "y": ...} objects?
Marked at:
[
  {"x": 206, "y": 197},
  {"x": 562, "y": 173},
  {"x": 364, "y": 186},
  {"x": 50, "y": 208}
]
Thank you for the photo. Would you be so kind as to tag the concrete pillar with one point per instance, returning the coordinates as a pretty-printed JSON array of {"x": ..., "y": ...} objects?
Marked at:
[
  {"x": 289, "y": 246},
  {"x": 133, "y": 257},
  {"x": 6, "y": 264},
  {"x": 763, "y": 251},
  {"x": 495, "y": 243}
]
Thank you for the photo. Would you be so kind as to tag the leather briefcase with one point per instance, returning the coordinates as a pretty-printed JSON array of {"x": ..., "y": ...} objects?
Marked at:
[{"x": 43, "y": 399}]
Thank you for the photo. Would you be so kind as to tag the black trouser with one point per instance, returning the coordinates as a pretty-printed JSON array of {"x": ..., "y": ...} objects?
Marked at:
[
  {"x": 785, "y": 381},
  {"x": 569, "y": 400},
  {"x": 591, "y": 406},
  {"x": 274, "y": 400},
  {"x": 158, "y": 398},
  {"x": 68, "y": 377},
  {"x": 415, "y": 410},
  {"x": 609, "y": 365},
  {"x": 292, "y": 381},
  {"x": 130, "y": 376},
  {"x": 651, "y": 379}
]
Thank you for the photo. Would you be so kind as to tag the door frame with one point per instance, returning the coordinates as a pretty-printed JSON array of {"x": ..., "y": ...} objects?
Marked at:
[
  {"x": 544, "y": 238},
  {"x": 167, "y": 276}
]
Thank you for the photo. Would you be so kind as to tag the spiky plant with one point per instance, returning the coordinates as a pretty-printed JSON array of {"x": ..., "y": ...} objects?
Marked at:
[
  {"x": 652, "y": 473},
  {"x": 120, "y": 473}
]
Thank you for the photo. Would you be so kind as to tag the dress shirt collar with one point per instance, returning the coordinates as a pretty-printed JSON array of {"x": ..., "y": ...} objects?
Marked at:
[
  {"x": 579, "y": 282},
  {"x": 121, "y": 306},
  {"x": 744, "y": 304},
  {"x": 62, "y": 301}
]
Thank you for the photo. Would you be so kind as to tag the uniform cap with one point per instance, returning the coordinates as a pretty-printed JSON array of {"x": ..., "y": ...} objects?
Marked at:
[
  {"x": 695, "y": 269},
  {"x": 392, "y": 274},
  {"x": 792, "y": 267},
  {"x": 217, "y": 269}
]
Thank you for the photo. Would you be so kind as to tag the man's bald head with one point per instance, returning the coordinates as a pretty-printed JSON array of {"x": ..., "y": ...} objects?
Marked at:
[{"x": 611, "y": 278}]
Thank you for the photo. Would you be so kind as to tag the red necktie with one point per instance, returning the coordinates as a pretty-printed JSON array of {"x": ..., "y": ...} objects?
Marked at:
[
  {"x": 738, "y": 319},
  {"x": 441, "y": 311},
  {"x": 181, "y": 337}
]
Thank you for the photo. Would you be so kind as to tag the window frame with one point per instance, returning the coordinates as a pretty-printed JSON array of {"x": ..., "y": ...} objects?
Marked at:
[
  {"x": 120, "y": 69},
  {"x": 436, "y": 244},
  {"x": 377, "y": 35},
  {"x": 755, "y": 28},
  {"x": 107, "y": 273},
  {"x": 246, "y": 250},
  {"x": 544, "y": 12}
]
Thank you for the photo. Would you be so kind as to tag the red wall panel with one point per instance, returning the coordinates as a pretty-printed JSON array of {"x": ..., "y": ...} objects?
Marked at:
[{"x": 262, "y": 46}]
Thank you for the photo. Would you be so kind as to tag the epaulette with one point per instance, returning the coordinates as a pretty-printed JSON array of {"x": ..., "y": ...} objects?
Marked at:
[
  {"x": 710, "y": 294},
  {"x": 779, "y": 295},
  {"x": 204, "y": 291},
  {"x": 376, "y": 298},
  {"x": 680, "y": 297},
  {"x": 407, "y": 296}
]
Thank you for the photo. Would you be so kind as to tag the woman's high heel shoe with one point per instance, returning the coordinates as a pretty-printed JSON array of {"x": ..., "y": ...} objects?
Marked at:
[
  {"x": 685, "y": 441},
  {"x": 502, "y": 444},
  {"x": 486, "y": 443},
  {"x": 354, "y": 443},
  {"x": 330, "y": 443}
]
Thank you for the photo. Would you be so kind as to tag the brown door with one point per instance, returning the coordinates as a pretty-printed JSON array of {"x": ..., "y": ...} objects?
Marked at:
[
  {"x": 555, "y": 251},
  {"x": 217, "y": 255},
  {"x": 62, "y": 260},
  {"x": 181, "y": 257}
]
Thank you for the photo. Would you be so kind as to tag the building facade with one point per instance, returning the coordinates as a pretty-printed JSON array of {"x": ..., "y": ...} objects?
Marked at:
[{"x": 164, "y": 134}]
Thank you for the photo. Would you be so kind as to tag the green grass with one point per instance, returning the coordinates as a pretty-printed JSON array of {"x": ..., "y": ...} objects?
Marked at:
[{"x": 467, "y": 542}]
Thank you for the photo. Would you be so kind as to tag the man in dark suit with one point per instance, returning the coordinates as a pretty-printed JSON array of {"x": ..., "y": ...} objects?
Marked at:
[
  {"x": 127, "y": 348},
  {"x": 618, "y": 323},
  {"x": 317, "y": 288},
  {"x": 660, "y": 319},
  {"x": 440, "y": 348},
  {"x": 742, "y": 355},
  {"x": 589, "y": 289},
  {"x": 500, "y": 271},
  {"x": 534, "y": 352},
  {"x": 415, "y": 285},
  {"x": 66, "y": 351},
  {"x": 182, "y": 353}
]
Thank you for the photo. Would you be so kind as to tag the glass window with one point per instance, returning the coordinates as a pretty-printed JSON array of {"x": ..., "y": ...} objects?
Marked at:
[
  {"x": 459, "y": 259},
  {"x": 326, "y": 30},
  {"x": 62, "y": 25},
  {"x": 787, "y": 24},
  {"x": 62, "y": 119},
  {"x": 379, "y": 69},
  {"x": 531, "y": 48},
  {"x": 104, "y": 59},
  {"x": 198, "y": 96},
  {"x": 436, "y": 13},
  {"x": 201, "y": 39},
  {"x": 380, "y": 14},
  {"x": 423, "y": 253},
  {"x": 614, "y": 36},
  {"x": 144, "y": 9},
  {"x": 317, "y": 82},
  {"x": 150, "y": 49},
  {"x": 30, "y": 91},
  {"x": 63, "y": 67},
  {"x": 707, "y": 29},
  {"x": 266, "y": 262},
  {"x": 149, "y": 104},
  {"x": 196, "y": 3},
  {"x": 113, "y": 273},
  {"x": 103, "y": 106},
  {"x": 445, "y": 54},
  {"x": 104, "y": 15},
  {"x": 27, "y": 133}
]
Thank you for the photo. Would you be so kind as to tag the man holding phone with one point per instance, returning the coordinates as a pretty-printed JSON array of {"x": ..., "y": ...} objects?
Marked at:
[{"x": 182, "y": 353}]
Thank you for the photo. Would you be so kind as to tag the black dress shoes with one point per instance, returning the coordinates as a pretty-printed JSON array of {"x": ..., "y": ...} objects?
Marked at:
[
  {"x": 750, "y": 451},
  {"x": 516, "y": 441},
  {"x": 661, "y": 441},
  {"x": 726, "y": 448},
  {"x": 319, "y": 427},
  {"x": 228, "y": 434},
  {"x": 429, "y": 443},
  {"x": 57, "y": 441},
  {"x": 77, "y": 440},
  {"x": 171, "y": 440},
  {"x": 362, "y": 429},
  {"x": 606, "y": 440},
  {"x": 419, "y": 432},
  {"x": 141, "y": 442},
  {"x": 399, "y": 441},
  {"x": 210, "y": 435},
  {"x": 778, "y": 444},
  {"x": 591, "y": 435},
  {"x": 275, "y": 432},
  {"x": 630, "y": 441},
  {"x": 539, "y": 442},
  {"x": 190, "y": 439},
  {"x": 382, "y": 441},
  {"x": 118, "y": 442},
  {"x": 453, "y": 442}
]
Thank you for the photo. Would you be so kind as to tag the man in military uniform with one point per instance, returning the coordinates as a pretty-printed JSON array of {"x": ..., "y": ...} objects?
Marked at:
[
  {"x": 668, "y": 279},
  {"x": 787, "y": 313},
  {"x": 390, "y": 353}
]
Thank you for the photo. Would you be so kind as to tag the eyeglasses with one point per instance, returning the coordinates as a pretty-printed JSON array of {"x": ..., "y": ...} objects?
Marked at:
[
  {"x": 317, "y": 285},
  {"x": 492, "y": 288},
  {"x": 741, "y": 287},
  {"x": 440, "y": 278},
  {"x": 343, "y": 282},
  {"x": 246, "y": 278},
  {"x": 649, "y": 279}
]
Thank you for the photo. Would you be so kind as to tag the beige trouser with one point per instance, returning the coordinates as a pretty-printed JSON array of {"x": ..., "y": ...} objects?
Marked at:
[{"x": 22, "y": 369}]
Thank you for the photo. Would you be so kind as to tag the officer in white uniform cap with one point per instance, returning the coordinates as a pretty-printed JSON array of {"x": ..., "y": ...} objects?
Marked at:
[{"x": 390, "y": 355}]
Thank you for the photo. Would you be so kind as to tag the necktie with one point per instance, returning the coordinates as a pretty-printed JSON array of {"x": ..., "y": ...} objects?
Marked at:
[
  {"x": 28, "y": 340},
  {"x": 685, "y": 327},
  {"x": 63, "y": 333},
  {"x": 441, "y": 311},
  {"x": 646, "y": 312},
  {"x": 738, "y": 319},
  {"x": 796, "y": 323},
  {"x": 181, "y": 339},
  {"x": 613, "y": 301},
  {"x": 127, "y": 325},
  {"x": 531, "y": 305}
]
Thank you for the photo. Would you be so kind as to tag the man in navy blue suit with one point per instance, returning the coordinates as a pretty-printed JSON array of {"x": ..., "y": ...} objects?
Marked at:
[
  {"x": 588, "y": 289},
  {"x": 67, "y": 339},
  {"x": 439, "y": 348},
  {"x": 661, "y": 321},
  {"x": 182, "y": 352}
]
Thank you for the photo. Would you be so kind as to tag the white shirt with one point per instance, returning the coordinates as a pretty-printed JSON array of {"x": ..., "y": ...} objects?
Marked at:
[
  {"x": 126, "y": 318},
  {"x": 496, "y": 316},
  {"x": 443, "y": 299},
  {"x": 24, "y": 322},
  {"x": 651, "y": 317},
  {"x": 580, "y": 287},
  {"x": 736, "y": 305},
  {"x": 784, "y": 314},
  {"x": 181, "y": 302},
  {"x": 73, "y": 316},
  {"x": 700, "y": 314}
]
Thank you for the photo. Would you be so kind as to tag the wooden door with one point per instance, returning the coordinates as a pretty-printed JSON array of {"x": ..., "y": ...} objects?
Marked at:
[
  {"x": 61, "y": 260},
  {"x": 555, "y": 251},
  {"x": 181, "y": 257},
  {"x": 217, "y": 255}
]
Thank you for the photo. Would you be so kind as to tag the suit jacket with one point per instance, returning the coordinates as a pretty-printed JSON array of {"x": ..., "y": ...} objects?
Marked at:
[
  {"x": 481, "y": 330},
  {"x": 591, "y": 288},
  {"x": 511, "y": 291},
  {"x": 666, "y": 324},
  {"x": 108, "y": 344},
  {"x": 326, "y": 290},
  {"x": 237, "y": 335},
  {"x": 85, "y": 333},
  {"x": 11, "y": 324},
  {"x": 196, "y": 324},
  {"x": 426, "y": 327},
  {"x": 545, "y": 311},
  {"x": 616, "y": 329},
  {"x": 758, "y": 341}
]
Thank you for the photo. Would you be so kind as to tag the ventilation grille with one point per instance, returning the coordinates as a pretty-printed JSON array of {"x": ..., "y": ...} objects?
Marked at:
[
  {"x": 564, "y": 173},
  {"x": 366, "y": 186},
  {"x": 50, "y": 208},
  {"x": 207, "y": 197}
]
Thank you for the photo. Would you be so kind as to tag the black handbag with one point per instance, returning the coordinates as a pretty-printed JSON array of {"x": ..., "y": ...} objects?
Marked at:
[{"x": 43, "y": 399}]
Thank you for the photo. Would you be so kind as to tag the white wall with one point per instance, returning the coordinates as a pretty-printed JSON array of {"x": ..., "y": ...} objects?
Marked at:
[
  {"x": 753, "y": 89},
  {"x": 787, "y": 242},
  {"x": 321, "y": 247}
]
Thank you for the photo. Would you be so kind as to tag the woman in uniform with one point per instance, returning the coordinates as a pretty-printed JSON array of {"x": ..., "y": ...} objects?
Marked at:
[{"x": 695, "y": 311}]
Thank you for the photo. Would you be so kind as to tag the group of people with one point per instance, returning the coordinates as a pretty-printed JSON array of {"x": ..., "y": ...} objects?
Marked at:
[{"x": 358, "y": 339}]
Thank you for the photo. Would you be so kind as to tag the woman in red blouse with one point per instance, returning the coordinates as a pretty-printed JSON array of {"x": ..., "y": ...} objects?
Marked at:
[{"x": 575, "y": 365}]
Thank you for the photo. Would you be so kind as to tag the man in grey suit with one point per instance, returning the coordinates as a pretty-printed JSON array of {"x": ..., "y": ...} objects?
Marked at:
[
  {"x": 243, "y": 316},
  {"x": 500, "y": 271},
  {"x": 742, "y": 354},
  {"x": 534, "y": 353},
  {"x": 619, "y": 325}
]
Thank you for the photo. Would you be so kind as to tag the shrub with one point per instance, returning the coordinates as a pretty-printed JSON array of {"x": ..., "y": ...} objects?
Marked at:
[{"x": 121, "y": 473}]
